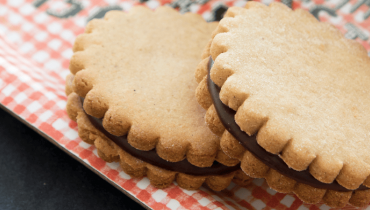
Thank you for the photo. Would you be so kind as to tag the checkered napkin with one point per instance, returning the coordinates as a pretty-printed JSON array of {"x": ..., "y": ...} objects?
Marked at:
[{"x": 36, "y": 38}]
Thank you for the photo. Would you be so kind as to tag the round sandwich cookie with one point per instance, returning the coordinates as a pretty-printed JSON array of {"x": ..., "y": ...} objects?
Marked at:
[
  {"x": 289, "y": 97},
  {"x": 131, "y": 92}
]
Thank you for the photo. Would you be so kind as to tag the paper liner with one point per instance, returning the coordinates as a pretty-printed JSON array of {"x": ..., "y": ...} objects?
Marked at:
[{"x": 36, "y": 39}]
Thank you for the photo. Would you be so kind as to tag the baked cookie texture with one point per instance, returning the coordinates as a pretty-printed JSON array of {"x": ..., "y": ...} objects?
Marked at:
[
  {"x": 159, "y": 178},
  {"x": 135, "y": 70},
  {"x": 302, "y": 88}
]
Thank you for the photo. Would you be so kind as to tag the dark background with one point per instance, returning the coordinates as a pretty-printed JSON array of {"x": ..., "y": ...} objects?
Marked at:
[{"x": 35, "y": 174}]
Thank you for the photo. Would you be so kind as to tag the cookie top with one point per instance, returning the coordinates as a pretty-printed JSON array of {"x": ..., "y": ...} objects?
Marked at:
[
  {"x": 300, "y": 86},
  {"x": 135, "y": 70}
]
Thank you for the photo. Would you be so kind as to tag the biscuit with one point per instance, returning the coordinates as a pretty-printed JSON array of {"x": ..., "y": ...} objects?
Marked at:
[
  {"x": 297, "y": 89},
  {"x": 131, "y": 92},
  {"x": 135, "y": 167},
  {"x": 113, "y": 60}
]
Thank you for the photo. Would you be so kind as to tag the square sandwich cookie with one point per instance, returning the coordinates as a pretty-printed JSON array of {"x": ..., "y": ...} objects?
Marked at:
[
  {"x": 290, "y": 98},
  {"x": 131, "y": 91}
]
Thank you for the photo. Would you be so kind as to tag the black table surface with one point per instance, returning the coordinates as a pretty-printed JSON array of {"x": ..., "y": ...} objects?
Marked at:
[{"x": 35, "y": 174}]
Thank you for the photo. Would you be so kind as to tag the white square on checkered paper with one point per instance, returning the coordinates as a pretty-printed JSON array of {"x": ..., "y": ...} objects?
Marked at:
[
  {"x": 24, "y": 78},
  {"x": 302, "y": 208},
  {"x": 287, "y": 200},
  {"x": 258, "y": 204},
  {"x": 243, "y": 193},
  {"x": 84, "y": 145},
  {"x": 95, "y": 152},
  {"x": 173, "y": 204},
  {"x": 189, "y": 192},
  {"x": 258, "y": 182},
  {"x": 46, "y": 115},
  {"x": 152, "y": 4},
  {"x": 13, "y": 37},
  {"x": 64, "y": 73},
  {"x": 143, "y": 184},
  {"x": 55, "y": 44},
  {"x": 271, "y": 191},
  {"x": 204, "y": 201},
  {"x": 113, "y": 165},
  {"x": 27, "y": 27},
  {"x": 50, "y": 95},
  {"x": 62, "y": 104},
  {"x": 26, "y": 47},
  {"x": 41, "y": 36},
  {"x": 324, "y": 207},
  {"x": 125, "y": 5},
  {"x": 3, "y": 10},
  {"x": 41, "y": 56},
  {"x": 53, "y": 64},
  {"x": 124, "y": 175},
  {"x": 8, "y": 90},
  {"x": 68, "y": 35},
  {"x": 3, "y": 30},
  {"x": 20, "y": 97},
  {"x": 67, "y": 53},
  {"x": 59, "y": 124},
  {"x": 34, "y": 106},
  {"x": 240, "y": 3},
  {"x": 41, "y": 18},
  {"x": 15, "y": 19},
  {"x": 15, "y": 3},
  {"x": 71, "y": 134},
  {"x": 159, "y": 195},
  {"x": 55, "y": 27},
  {"x": 36, "y": 86},
  {"x": 27, "y": 9}
]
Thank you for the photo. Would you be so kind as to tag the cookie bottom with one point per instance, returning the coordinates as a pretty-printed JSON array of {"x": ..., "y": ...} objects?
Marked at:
[
  {"x": 308, "y": 194},
  {"x": 159, "y": 177}
]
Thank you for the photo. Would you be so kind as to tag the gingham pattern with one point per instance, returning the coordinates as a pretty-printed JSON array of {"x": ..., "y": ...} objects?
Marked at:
[{"x": 35, "y": 48}]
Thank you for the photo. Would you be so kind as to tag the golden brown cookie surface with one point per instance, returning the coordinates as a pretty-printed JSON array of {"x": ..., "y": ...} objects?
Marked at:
[
  {"x": 301, "y": 85},
  {"x": 258, "y": 163},
  {"x": 136, "y": 71},
  {"x": 278, "y": 69}
]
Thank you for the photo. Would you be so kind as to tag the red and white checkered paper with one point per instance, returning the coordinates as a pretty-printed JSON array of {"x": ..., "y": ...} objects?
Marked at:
[{"x": 35, "y": 48}]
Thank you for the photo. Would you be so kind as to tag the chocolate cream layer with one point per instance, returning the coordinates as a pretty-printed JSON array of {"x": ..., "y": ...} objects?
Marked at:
[
  {"x": 273, "y": 161},
  {"x": 152, "y": 157}
]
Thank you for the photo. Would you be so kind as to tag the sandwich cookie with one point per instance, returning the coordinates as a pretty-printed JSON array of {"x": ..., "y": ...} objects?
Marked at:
[
  {"x": 292, "y": 95},
  {"x": 131, "y": 92}
]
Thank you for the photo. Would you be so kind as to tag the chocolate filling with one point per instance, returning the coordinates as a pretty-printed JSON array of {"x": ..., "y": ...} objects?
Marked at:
[
  {"x": 151, "y": 156},
  {"x": 273, "y": 161}
]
